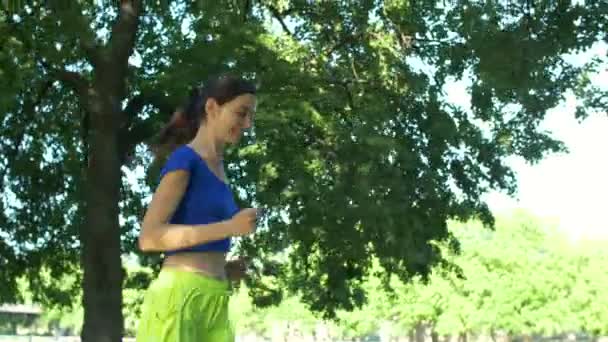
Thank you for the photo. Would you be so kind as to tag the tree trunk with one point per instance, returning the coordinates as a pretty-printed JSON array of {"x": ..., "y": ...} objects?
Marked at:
[
  {"x": 100, "y": 235},
  {"x": 434, "y": 336},
  {"x": 420, "y": 332}
]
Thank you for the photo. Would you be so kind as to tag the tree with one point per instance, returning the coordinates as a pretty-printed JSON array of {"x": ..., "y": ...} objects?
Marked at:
[
  {"x": 523, "y": 279},
  {"x": 341, "y": 104},
  {"x": 595, "y": 99},
  {"x": 586, "y": 300}
]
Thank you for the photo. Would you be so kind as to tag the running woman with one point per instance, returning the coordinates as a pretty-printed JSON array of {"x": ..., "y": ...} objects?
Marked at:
[{"x": 193, "y": 216}]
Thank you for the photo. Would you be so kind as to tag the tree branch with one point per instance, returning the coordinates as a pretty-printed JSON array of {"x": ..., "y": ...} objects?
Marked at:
[
  {"x": 74, "y": 80},
  {"x": 141, "y": 131},
  {"x": 69, "y": 78},
  {"x": 279, "y": 16},
  {"x": 30, "y": 101},
  {"x": 92, "y": 52},
  {"x": 246, "y": 10},
  {"x": 349, "y": 95},
  {"x": 124, "y": 31},
  {"x": 138, "y": 132},
  {"x": 86, "y": 36},
  {"x": 347, "y": 40},
  {"x": 134, "y": 106},
  {"x": 155, "y": 99},
  {"x": 135, "y": 131}
]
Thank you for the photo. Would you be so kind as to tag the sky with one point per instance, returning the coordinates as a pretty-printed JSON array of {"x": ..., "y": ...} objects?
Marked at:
[{"x": 571, "y": 189}]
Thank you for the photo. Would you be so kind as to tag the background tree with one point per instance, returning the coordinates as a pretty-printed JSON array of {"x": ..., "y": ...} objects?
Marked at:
[{"x": 342, "y": 103}]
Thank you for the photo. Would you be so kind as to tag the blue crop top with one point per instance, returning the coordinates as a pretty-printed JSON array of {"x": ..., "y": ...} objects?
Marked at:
[{"x": 207, "y": 199}]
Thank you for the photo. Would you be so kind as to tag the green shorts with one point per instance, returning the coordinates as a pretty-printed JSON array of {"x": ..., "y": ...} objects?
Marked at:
[{"x": 183, "y": 306}]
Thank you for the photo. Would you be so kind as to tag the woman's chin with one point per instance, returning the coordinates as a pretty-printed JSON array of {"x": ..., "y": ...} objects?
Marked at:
[{"x": 233, "y": 139}]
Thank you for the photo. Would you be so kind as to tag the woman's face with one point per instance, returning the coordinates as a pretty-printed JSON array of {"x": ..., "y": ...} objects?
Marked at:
[{"x": 230, "y": 119}]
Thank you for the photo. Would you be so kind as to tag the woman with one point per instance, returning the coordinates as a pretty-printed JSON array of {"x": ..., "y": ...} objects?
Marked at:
[{"x": 193, "y": 215}]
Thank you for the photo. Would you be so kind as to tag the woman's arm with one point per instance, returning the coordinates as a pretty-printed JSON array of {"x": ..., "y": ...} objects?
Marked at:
[{"x": 159, "y": 235}]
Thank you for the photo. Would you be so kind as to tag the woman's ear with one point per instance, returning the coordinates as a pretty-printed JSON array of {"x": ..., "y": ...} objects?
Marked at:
[{"x": 211, "y": 107}]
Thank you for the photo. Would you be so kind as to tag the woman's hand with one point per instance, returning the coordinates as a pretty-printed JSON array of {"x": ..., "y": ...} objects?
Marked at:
[
  {"x": 236, "y": 269},
  {"x": 244, "y": 222}
]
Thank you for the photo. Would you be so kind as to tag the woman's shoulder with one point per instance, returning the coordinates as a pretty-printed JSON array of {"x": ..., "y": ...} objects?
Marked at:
[
  {"x": 182, "y": 158},
  {"x": 183, "y": 151}
]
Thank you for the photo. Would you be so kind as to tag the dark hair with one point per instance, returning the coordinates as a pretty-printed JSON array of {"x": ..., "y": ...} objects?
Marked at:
[{"x": 187, "y": 119}]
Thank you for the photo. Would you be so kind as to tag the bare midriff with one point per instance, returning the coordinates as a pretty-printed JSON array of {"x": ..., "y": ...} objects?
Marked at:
[{"x": 211, "y": 264}]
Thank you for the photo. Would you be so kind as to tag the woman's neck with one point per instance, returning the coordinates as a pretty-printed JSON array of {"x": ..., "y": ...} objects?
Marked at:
[{"x": 207, "y": 145}]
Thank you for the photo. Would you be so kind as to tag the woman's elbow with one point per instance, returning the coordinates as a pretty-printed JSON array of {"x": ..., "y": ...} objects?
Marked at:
[{"x": 144, "y": 242}]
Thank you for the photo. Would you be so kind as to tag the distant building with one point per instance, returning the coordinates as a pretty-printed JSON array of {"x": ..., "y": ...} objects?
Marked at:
[{"x": 15, "y": 315}]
